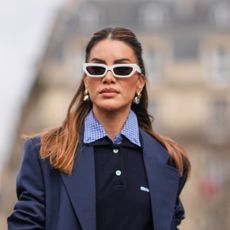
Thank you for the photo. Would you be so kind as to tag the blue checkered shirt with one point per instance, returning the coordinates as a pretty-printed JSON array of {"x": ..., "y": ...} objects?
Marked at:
[{"x": 94, "y": 131}]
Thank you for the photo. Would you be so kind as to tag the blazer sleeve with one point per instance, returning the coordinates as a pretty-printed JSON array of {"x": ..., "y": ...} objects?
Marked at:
[
  {"x": 29, "y": 210},
  {"x": 179, "y": 214}
]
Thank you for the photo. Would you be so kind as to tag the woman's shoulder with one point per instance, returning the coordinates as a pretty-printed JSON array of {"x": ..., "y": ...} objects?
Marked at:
[
  {"x": 31, "y": 148},
  {"x": 165, "y": 144},
  {"x": 32, "y": 143}
]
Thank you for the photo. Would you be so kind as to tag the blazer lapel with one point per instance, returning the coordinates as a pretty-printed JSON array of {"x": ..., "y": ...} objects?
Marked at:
[
  {"x": 163, "y": 182},
  {"x": 81, "y": 187}
]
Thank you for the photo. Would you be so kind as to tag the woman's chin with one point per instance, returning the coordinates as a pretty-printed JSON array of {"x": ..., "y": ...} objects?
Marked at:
[{"x": 111, "y": 107}]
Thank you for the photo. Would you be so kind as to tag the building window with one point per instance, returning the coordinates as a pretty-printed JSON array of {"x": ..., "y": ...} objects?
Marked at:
[
  {"x": 78, "y": 58},
  {"x": 154, "y": 108},
  {"x": 185, "y": 49},
  {"x": 88, "y": 17},
  {"x": 220, "y": 65},
  {"x": 219, "y": 118},
  {"x": 220, "y": 14},
  {"x": 153, "y": 60},
  {"x": 152, "y": 15}
]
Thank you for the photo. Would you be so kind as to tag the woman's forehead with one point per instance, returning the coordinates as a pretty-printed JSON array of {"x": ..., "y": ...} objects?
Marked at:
[{"x": 112, "y": 49}]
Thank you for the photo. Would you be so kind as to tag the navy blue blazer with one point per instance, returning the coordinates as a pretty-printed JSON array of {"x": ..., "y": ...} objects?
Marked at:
[{"x": 49, "y": 199}]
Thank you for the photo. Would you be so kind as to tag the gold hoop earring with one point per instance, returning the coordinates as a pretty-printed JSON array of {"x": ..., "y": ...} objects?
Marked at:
[{"x": 86, "y": 95}]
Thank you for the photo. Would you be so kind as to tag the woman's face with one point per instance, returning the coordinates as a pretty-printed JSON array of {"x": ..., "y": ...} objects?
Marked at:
[{"x": 110, "y": 93}]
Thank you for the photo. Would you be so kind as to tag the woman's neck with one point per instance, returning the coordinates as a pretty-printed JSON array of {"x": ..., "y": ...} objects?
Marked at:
[{"x": 112, "y": 121}]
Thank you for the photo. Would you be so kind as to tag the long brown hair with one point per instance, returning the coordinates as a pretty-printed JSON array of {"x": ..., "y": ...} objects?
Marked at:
[{"x": 59, "y": 144}]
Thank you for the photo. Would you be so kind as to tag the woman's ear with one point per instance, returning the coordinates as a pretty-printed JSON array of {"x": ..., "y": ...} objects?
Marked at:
[{"x": 141, "y": 82}]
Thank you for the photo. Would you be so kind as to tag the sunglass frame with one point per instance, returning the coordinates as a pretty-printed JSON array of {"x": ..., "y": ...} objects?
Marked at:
[{"x": 135, "y": 68}]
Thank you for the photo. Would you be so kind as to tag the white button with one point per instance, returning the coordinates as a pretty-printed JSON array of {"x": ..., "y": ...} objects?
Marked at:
[
  {"x": 115, "y": 151},
  {"x": 118, "y": 172}
]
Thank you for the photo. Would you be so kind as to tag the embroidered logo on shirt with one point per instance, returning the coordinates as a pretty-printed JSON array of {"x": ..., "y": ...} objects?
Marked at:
[{"x": 144, "y": 189}]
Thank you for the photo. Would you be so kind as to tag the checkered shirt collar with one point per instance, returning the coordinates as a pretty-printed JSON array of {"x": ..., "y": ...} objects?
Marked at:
[{"x": 94, "y": 131}]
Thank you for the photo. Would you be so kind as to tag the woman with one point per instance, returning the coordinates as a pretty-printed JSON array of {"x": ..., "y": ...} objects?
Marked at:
[{"x": 104, "y": 167}]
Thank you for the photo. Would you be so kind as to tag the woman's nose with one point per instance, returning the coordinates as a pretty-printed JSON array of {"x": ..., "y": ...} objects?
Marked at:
[{"x": 109, "y": 78}]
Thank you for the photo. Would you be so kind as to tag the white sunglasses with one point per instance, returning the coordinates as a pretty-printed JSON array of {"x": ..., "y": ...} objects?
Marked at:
[{"x": 118, "y": 70}]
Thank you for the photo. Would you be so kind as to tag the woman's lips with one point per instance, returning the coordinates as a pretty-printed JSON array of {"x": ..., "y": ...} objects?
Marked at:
[{"x": 109, "y": 92}]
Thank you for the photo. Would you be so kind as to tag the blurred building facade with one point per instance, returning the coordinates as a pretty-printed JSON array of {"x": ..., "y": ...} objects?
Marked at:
[{"x": 187, "y": 55}]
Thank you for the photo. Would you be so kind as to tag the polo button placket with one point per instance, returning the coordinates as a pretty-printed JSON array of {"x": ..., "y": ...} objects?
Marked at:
[
  {"x": 118, "y": 172},
  {"x": 116, "y": 151}
]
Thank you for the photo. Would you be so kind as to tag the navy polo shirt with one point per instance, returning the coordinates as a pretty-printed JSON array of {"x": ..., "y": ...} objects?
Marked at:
[{"x": 122, "y": 193}]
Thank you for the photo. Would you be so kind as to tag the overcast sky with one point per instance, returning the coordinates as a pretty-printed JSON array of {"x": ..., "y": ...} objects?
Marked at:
[{"x": 24, "y": 29}]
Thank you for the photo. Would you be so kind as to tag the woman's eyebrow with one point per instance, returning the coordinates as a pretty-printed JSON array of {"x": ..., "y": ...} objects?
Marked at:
[
  {"x": 121, "y": 60},
  {"x": 98, "y": 60}
]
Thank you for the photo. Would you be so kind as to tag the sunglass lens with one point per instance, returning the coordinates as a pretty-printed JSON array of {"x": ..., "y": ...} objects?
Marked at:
[
  {"x": 96, "y": 70},
  {"x": 123, "y": 70}
]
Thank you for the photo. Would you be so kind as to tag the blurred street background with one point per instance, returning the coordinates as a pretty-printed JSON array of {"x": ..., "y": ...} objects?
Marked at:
[{"x": 186, "y": 47}]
